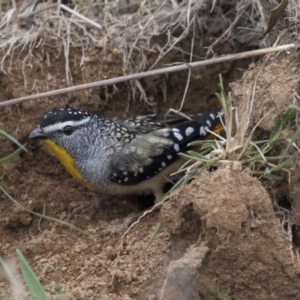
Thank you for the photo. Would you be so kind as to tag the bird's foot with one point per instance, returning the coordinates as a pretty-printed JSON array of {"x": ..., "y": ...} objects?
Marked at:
[
  {"x": 117, "y": 228},
  {"x": 98, "y": 203}
]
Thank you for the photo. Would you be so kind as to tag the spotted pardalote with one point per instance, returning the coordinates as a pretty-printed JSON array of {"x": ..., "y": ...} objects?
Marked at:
[{"x": 122, "y": 156}]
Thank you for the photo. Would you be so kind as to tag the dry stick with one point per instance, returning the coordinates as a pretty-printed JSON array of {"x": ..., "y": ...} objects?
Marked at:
[
  {"x": 89, "y": 21},
  {"x": 22, "y": 17},
  {"x": 15, "y": 15},
  {"x": 190, "y": 70},
  {"x": 238, "y": 16},
  {"x": 27, "y": 16},
  {"x": 145, "y": 213},
  {"x": 136, "y": 76},
  {"x": 143, "y": 28},
  {"x": 170, "y": 48},
  {"x": 256, "y": 80}
]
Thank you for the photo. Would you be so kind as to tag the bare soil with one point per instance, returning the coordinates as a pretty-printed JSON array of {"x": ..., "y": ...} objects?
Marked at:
[{"x": 221, "y": 235}]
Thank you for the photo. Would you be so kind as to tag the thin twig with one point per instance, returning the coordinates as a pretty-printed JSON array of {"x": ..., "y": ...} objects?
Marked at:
[
  {"x": 179, "y": 113},
  {"x": 190, "y": 70},
  {"x": 147, "y": 212},
  {"x": 249, "y": 139},
  {"x": 136, "y": 76},
  {"x": 23, "y": 17},
  {"x": 89, "y": 21},
  {"x": 15, "y": 15},
  {"x": 222, "y": 37}
]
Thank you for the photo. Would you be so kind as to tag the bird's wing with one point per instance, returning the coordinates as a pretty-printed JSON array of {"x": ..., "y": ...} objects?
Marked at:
[{"x": 154, "y": 146}]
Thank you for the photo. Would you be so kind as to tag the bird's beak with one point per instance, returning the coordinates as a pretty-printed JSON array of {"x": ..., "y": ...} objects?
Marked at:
[{"x": 37, "y": 134}]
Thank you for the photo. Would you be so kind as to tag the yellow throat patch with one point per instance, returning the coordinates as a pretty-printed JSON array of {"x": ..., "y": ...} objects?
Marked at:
[{"x": 65, "y": 158}]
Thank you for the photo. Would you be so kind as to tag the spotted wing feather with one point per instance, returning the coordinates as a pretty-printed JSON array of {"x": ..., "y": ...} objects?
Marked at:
[{"x": 149, "y": 153}]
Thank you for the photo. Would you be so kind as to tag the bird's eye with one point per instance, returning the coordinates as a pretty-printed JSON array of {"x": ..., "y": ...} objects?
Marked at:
[{"x": 68, "y": 130}]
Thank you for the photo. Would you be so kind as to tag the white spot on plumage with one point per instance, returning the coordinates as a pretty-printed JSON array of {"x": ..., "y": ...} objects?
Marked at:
[
  {"x": 212, "y": 116},
  {"x": 125, "y": 179},
  {"x": 175, "y": 130},
  {"x": 189, "y": 131},
  {"x": 176, "y": 147},
  {"x": 178, "y": 136},
  {"x": 141, "y": 170},
  {"x": 208, "y": 123},
  {"x": 202, "y": 131},
  {"x": 163, "y": 164},
  {"x": 159, "y": 169},
  {"x": 115, "y": 174},
  {"x": 125, "y": 173},
  {"x": 169, "y": 157},
  {"x": 164, "y": 132}
]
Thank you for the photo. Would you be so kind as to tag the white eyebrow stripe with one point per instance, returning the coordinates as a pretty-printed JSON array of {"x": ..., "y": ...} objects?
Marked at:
[{"x": 61, "y": 125}]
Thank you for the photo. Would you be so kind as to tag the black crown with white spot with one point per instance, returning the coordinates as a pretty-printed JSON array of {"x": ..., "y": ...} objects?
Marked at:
[{"x": 63, "y": 115}]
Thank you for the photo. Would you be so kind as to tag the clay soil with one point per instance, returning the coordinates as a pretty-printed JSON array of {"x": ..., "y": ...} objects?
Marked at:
[{"x": 222, "y": 236}]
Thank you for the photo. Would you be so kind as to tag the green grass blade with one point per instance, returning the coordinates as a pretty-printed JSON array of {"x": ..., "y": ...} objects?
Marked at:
[
  {"x": 154, "y": 234},
  {"x": 186, "y": 164},
  {"x": 281, "y": 124},
  {"x": 202, "y": 143},
  {"x": 260, "y": 142},
  {"x": 198, "y": 156},
  {"x": 34, "y": 286},
  {"x": 275, "y": 158},
  {"x": 39, "y": 215},
  {"x": 285, "y": 162},
  {"x": 177, "y": 184},
  {"x": 292, "y": 140},
  {"x": 11, "y": 277},
  {"x": 267, "y": 173},
  {"x": 12, "y": 139},
  {"x": 271, "y": 176},
  {"x": 10, "y": 156},
  {"x": 195, "y": 156}
]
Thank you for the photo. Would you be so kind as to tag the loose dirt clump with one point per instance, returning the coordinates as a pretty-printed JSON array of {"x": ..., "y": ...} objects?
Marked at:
[
  {"x": 274, "y": 85},
  {"x": 235, "y": 244}
]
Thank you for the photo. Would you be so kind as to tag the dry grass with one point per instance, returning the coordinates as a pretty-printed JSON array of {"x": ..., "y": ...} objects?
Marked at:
[{"x": 137, "y": 30}]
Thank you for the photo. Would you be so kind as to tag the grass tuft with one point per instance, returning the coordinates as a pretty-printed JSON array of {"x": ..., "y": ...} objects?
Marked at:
[
  {"x": 28, "y": 276},
  {"x": 262, "y": 157}
]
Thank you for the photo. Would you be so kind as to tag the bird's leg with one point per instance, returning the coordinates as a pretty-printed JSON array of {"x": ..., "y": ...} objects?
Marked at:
[
  {"x": 158, "y": 193},
  {"x": 102, "y": 202}
]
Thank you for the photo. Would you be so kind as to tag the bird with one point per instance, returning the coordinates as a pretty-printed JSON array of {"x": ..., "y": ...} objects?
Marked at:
[{"x": 123, "y": 156}]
